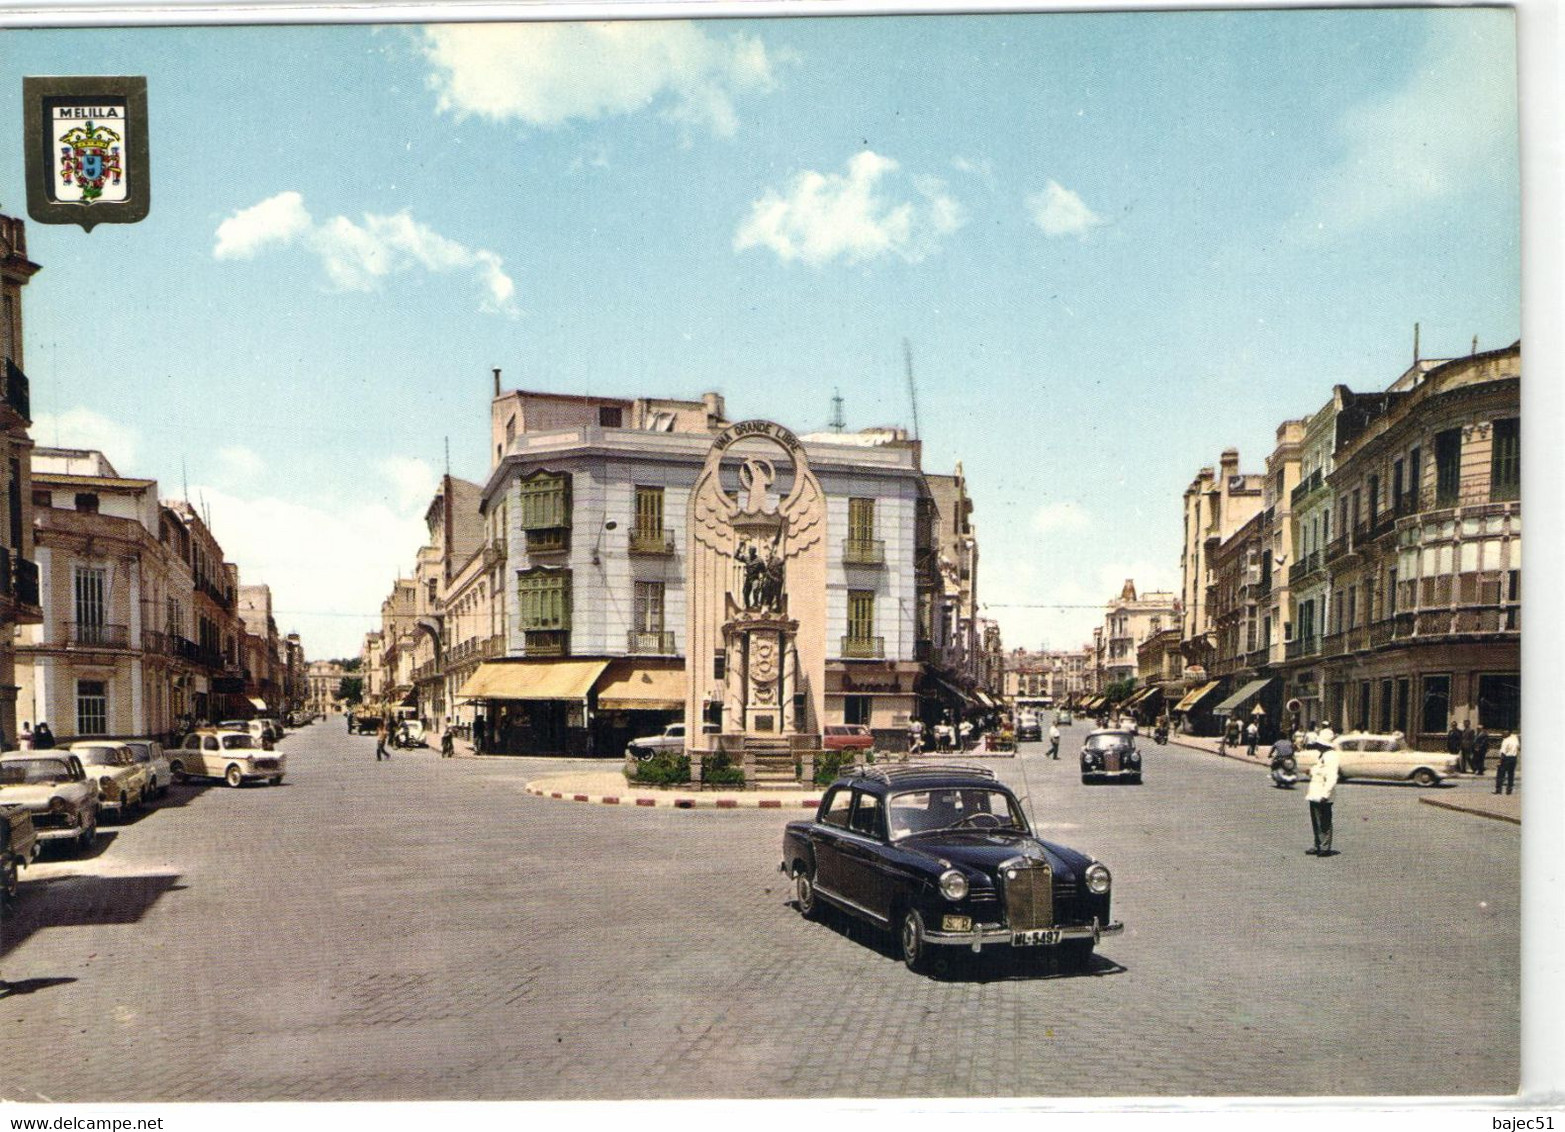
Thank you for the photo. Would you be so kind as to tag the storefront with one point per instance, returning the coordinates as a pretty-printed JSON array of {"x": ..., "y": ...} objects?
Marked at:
[
  {"x": 532, "y": 707},
  {"x": 633, "y": 699},
  {"x": 1257, "y": 701},
  {"x": 1194, "y": 713}
]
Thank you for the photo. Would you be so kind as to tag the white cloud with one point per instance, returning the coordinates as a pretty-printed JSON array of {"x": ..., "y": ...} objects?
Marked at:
[
  {"x": 83, "y": 428},
  {"x": 329, "y": 568},
  {"x": 411, "y": 480},
  {"x": 980, "y": 167},
  {"x": 240, "y": 463},
  {"x": 1053, "y": 518},
  {"x": 1061, "y": 212},
  {"x": 359, "y": 256},
  {"x": 547, "y": 74},
  {"x": 1450, "y": 128},
  {"x": 276, "y": 220},
  {"x": 827, "y": 216}
]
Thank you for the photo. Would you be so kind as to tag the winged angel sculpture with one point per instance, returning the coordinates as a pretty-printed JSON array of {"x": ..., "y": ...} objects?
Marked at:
[{"x": 759, "y": 539}]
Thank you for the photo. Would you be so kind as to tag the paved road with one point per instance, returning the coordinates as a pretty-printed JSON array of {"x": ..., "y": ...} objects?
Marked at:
[{"x": 424, "y": 929}]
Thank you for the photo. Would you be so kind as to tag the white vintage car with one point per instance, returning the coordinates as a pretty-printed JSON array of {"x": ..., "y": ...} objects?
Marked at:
[
  {"x": 149, "y": 753},
  {"x": 55, "y": 789},
  {"x": 123, "y": 783},
  {"x": 233, "y": 756},
  {"x": 1364, "y": 755}
]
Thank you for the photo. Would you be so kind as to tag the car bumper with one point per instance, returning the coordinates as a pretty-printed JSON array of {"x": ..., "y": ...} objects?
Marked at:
[
  {"x": 1125, "y": 772},
  {"x": 992, "y": 935}
]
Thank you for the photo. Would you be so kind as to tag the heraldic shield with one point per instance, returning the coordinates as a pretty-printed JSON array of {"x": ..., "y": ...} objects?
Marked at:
[{"x": 87, "y": 159}]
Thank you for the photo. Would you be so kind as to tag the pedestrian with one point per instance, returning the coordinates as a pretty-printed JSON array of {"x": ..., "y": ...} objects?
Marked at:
[
  {"x": 350, "y": 723},
  {"x": 1510, "y": 751},
  {"x": 915, "y": 737},
  {"x": 1469, "y": 755},
  {"x": 1481, "y": 744},
  {"x": 25, "y": 740},
  {"x": 1252, "y": 735},
  {"x": 1312, "y": 736},
  {"x": 43, "y": 738},
  {"x": 479, "y": 726},
  {"x": 965, "y": 733},
  {"x": 380, "y": 744},
  {"x": 1284, "y": 762},
  {"x": 1054, "y": 741},
  {"x": 1326, "y": 734},
  {"x": 1453, "y": 746},
  {"x": 447, "y": 744},
  {"x": 1323, "y": 783}
]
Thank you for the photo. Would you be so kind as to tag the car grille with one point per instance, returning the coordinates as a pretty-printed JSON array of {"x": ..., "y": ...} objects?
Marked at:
[
  {"x": 1111, "y": 760},
  {"x": 265, "y": 764},
  {"x": 48, "y": 819},
  {"x": 1029, "y": 895}
]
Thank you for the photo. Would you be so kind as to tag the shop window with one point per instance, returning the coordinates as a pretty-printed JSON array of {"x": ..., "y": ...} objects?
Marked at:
[
  {"x": 856, "y": 709},
  {"x": 1500, "y": 701},
  {"x": 92, "y": 707},
  {"x": 1436, "y": 716}
]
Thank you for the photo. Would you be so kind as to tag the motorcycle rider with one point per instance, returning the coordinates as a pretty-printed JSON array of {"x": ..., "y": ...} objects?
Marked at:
[{"x": 1284, "y": 763}]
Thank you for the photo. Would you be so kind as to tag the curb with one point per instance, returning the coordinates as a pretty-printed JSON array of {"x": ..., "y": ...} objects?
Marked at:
[
  {"x": 1461, "y": 809},
  {"x": 673, "y": 801}
]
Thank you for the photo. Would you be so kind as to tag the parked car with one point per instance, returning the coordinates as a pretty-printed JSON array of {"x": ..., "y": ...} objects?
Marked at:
[
  {"x": 847, "y": 737},
  {"x": 18, "y": 847},
  {"x": 1110, "y": 755},
  {"x": 123, "y": 783},
  {"x": 255, "y": 728},
  {"x": 943, "y": 857},
  {"x": 672, "y": 739},
  {"x": 54, "y": 788},
  {"x": 1361, "y": 754},
  {"x": 149, "y": 752},
  {"x": 363, "y": 724},
  {"x": 1028, "y": 728},
  {"x": 233, "y": 756},
  {"x": 274, "y": 727},
  {"x": 1064, "y": 718}
]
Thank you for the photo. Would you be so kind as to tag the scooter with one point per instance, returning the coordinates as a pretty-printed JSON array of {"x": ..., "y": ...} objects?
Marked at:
[
  {"x": 1285, "y": 771},
  {"x": 1160, "y": 734}
]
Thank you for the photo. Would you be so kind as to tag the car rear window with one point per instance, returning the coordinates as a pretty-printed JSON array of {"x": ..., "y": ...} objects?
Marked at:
[{"x": 238, "y": 743}]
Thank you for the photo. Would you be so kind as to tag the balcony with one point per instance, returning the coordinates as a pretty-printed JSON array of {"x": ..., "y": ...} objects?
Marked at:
[
  {"x": 863, "y": 648},
  {"x": 18, "y": 394},
  {"x": 1304, "y": 567},
  {"x": 546, "y": 642},
  {"x": 24, "y": 580},
  {"x": 650, "y": 643},
  {"x": 1302, "y": 647},
  {"x": 1337, "y": 547},
  {"x": 652, "y": 543},
  {"x": 1306, "y": 486},
  {"x": 429, "y": 670},
  {"x": 88, "y": 635},
  {"x": 864, "y": 552},
  {"x": 548, "y": 540}
]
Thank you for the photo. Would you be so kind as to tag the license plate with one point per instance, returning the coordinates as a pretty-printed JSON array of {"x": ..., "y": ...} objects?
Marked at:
[
  {"x": 957, "y": 924},
  {"x": 1035, "y": 937}
]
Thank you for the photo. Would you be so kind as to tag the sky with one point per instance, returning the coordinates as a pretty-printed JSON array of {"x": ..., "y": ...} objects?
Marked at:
[{"x": 1116, "y": 244}]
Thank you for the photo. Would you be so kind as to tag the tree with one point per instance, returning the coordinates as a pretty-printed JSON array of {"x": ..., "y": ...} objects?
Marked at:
[
  {"x": 1120, "y": 690},
  {"x": 349, "y": 664},
  {"x": 351, "y": 689}
]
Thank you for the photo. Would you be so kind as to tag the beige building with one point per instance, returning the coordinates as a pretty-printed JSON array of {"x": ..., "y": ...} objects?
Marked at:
[
  {"x": 323, "y": 678},
  {"x": 1128, "y": 621},
  {"x": 19, "y": 581}
]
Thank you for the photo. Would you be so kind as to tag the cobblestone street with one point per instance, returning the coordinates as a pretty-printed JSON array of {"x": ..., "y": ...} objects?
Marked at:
[{"x": 425, "y": 929}]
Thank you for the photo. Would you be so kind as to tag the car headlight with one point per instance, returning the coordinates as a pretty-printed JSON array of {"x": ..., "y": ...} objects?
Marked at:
[
  {"x": 57, "y": 805},
  {"x": 1133, "y": 757},
  {"x": 1097, "y": 879},
  {"x": 107, "y": 784},
  {"x": 953, "y": 885}
]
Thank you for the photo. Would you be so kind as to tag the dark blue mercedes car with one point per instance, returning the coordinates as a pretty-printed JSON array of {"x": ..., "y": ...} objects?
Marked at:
[{"x": 943, "y": 857}]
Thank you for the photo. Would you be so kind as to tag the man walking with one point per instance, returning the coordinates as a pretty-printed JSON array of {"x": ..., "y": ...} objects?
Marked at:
[
  {"x": 1252, "y": 735},
  {"x": 1481, "y": 742},
  {"x": 1510, "y": 751},
  {"x": 1054, "y": 741},
  {"x": 1323, "y": 783},
  {"x": 1467, "y": 746},
  {"x": 1453, "y": 746},
  {"x": 380, "y": 744}
]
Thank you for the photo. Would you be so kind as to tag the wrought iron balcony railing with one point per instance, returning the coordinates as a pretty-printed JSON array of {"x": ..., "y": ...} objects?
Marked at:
[
  {"x": 648, "y": 543},
  {"x": 863, "y": 648},
  {"x": 24, "y": 580},
  {"x": 86, "y": 634},
  {"x": 864, "y": 552},
  {"x": 650, "y": 643}
]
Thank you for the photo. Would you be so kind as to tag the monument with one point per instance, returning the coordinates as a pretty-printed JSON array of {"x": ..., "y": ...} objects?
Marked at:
[{"x": 756, "y": 605}]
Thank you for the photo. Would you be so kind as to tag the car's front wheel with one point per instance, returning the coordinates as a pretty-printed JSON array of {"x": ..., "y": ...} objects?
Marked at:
[
  {"x": 804, "y": 895},
  {"x": 176, "y": 770},
  {"x": 235, "y": 776},
  {"x": 915, "y": 948}
]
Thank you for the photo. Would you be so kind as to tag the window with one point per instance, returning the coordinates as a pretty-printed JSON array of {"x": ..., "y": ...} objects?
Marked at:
[
  {"x": 837, "y": 806},
  {"x": 1448, "y": 466},
  {"x": 1437, "y": 704},
  {"x": 92, "y": 707},
  {"x": 1505, "y": 460},
  {"x": 90, "y": 596},
  {"x": 1363, "y": 705},
  {"x": 647, "y": 630},
  {"x": 866, "y": 816},
  {"x": 544, "y": 501},
  {"x": 14, "y": 493},
  {"x": 544, "y": 599},
  {"x": 87, "y": 501},
  {"x": 1397, "y": 486},
  {"x": 46, "y": 499},
  {"x": 856, "y": 709},
  {"x": 1415, "y": 476},
  {"x": 1307, "y": 620},
  {"x": 1374, "y": 498},
  {"x": 649, "y": 514},
  {"x": 861, "y": 520},
  {"x": 610, "y": 416},
  {"x": 1500, "y": 701},
  {"x": 861, "y": 614},
  {"x": 1385, "y": 706},
  {"x": 1399, "y": 723}
]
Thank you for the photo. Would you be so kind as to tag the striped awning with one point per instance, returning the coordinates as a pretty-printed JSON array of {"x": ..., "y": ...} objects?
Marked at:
[
  {"x": 1195, "y": 696},
  {"x": 533, "y": 680}
]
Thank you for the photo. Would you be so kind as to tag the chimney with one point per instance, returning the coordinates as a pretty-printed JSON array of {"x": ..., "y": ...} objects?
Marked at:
[
  {"x": 713, "y": 402},
  {"x": 497, "y": 381},
  {"x": 1230, "y": 461},
  {"x": 1415, "y": 343}
]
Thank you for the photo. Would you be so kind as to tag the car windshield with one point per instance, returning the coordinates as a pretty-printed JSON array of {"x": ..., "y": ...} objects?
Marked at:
[
  {"x": 238, "y": 743},
  {"x": 1106, "y": 740},
  {"x": 961, "y": 807},
  {"x": 33, "y": 772},
  {"x": 235, "y": 725},
  {"x": 99, "y": 756}
]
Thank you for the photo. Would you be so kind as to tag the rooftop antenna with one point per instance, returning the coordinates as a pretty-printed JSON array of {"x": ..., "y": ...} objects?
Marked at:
[
  {"x": 1475, "y": 343},
  {"x": 836, "y": 410},
  {"x": 184, "y": 479},
  {"x": 912, "y": 390}
]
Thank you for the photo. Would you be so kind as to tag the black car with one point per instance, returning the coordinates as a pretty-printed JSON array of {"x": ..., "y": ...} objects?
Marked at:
[
  {"x": 943, "y": 856},
  {"x": 1110, "y": 755}
]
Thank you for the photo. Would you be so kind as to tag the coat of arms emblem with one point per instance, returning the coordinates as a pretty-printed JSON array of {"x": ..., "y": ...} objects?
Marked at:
[{"x": 86, "y": 149}]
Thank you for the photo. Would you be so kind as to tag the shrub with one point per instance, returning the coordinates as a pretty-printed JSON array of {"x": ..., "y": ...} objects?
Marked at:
[
  {"x": 828, "y": 764},
  {"x": 666, "y": 768},
  {"x": 719, "y": 770}
]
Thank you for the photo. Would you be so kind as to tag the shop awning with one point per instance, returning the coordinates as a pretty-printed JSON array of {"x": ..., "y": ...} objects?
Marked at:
[
  {"x": 1196, "y": 695},
  {"x": 533, "y": 680},
  {"x": 628, "y": 686},
  {"x": 953, "y": 691},
  {"x": 1243, "y": 696},
  {"x": 1138, "y": 697},
  {"x": 257, "y": 702},
  {"x": 985, "y": 699}
]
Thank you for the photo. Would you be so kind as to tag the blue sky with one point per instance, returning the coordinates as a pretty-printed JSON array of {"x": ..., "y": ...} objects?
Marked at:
[{"x": 1117, "y": 243}]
